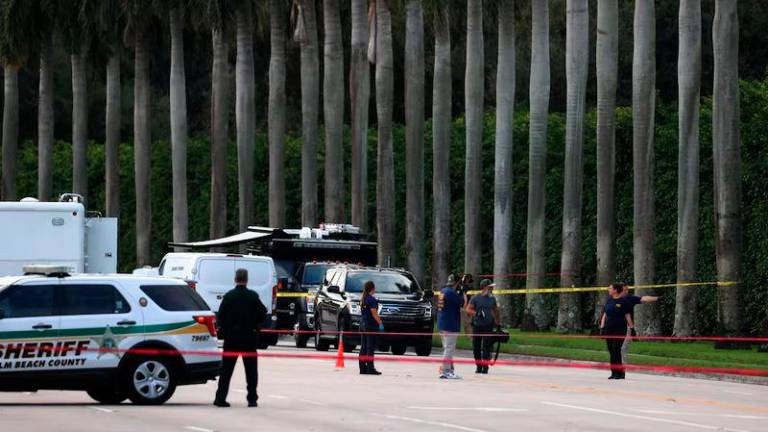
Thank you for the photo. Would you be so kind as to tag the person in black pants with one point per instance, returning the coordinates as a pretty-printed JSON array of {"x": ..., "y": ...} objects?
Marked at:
[
  {"x": 371, "y": 323},
  {"x": 614, "y": 324},
  {"x": 484, "y": 312},
  {"x": 240, "y": 314}
]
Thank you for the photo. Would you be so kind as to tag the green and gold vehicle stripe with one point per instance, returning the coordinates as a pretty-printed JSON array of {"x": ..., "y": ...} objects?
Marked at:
[{"x": 171, "y": 328}]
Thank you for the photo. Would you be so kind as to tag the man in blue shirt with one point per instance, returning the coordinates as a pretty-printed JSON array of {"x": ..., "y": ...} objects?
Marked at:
[{"x": 449, "y": 306}]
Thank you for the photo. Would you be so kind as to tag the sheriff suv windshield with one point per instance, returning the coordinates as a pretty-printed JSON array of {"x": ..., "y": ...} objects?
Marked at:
[{"x": 386, "y": 282}]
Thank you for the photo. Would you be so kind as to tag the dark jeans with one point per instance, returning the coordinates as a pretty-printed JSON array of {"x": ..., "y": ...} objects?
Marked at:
[
  {"x": 482, "y": 345},
  {"x": 250, "y": 363},
  {"x": 367, "y": 347},
  {"x": 614, "y": 350}
]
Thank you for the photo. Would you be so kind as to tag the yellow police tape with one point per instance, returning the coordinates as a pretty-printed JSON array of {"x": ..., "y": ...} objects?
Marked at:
[{"x": 498, "y": 291}]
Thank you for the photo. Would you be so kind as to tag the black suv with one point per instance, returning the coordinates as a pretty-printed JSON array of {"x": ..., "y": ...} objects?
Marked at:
[{"x": 404, "y": 308}]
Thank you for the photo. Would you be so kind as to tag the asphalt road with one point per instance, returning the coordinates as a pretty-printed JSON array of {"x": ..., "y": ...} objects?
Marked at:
[{"x": 307, "y": 394}]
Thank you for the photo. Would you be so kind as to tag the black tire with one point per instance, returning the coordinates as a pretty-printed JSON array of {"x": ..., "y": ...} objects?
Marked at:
[
  {"x": 320, "y": 343},
  {"x": 424, "y": 349},
  {"x": 301, "y": 339},
  {"x": 150, "y": 380},
  {"x": 399, "y": 349},
  {"x": 107, "y": 396}
]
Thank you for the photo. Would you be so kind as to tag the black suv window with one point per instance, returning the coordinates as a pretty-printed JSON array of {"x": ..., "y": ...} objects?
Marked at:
[
  {"x": 92, "y": 300},
  {"x": 27, "y": 301},
  {"x": 314, "y": 274},
  {"x": 175, "y": 298},
  {"x": 386, "y": 282}
]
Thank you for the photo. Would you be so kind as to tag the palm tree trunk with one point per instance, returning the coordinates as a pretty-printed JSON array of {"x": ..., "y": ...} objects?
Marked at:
[
  {"x": 648, "y": 317},
  {"x": 385, "y": 176},
  {"x": 178, "y": 126},
  {"x": 441, "y": 147},
  {"x": 505, "y": 105},
  {"x": 689, "y": 89},
  {"x": 10, "y": 131},
  {"x": 245, "y": 111},
  {"x": 79, "y": 123},
  {"x": 727, "y": 159},
  {"x": 536, "y": 316},
  {"x": 333, "y": 108},
  {"x": 607, "y": 57},
  {"x": 414, "y": 138},
  {"x": 576, "y": 68},
  {"x": 310, "y": 107},
  {"x": 141, "y": 147},
  {"x": 276, "y": 114},
  {"x": 359, "y": 95},
  {"x": 474, "y": 88},
  {"x": 112, "y": 169},
  {"x": 219, "y": 134},
  {"x": 45, "y": 122}
]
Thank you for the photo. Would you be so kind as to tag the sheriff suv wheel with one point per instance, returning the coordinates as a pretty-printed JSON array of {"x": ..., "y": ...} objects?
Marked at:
[{"x": 149, "y": 380}]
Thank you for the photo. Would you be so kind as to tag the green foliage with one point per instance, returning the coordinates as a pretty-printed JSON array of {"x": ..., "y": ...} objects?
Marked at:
[{"x": 755, "y": 209}]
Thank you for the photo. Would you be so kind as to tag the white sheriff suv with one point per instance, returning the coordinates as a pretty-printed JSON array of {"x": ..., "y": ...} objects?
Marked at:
[{"x": 113, "y": 336}]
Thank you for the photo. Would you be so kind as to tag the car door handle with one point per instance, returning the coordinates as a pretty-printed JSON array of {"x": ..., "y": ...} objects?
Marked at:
[
  {"x": 42, "y": 326},
  {"x": 126, "y": 323}
]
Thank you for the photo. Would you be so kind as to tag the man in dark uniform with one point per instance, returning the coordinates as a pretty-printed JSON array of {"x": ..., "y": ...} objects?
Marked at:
[{"x": 240, "y": 314}]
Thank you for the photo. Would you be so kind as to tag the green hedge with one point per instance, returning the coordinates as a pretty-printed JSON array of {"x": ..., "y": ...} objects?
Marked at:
[{"x": 755, "y": 210}]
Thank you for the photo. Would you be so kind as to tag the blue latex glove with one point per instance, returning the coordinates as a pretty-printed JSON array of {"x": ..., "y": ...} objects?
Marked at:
[{"x": 381, "y": 327}]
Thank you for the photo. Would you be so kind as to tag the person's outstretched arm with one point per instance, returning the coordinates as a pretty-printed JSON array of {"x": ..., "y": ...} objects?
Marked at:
[{"x": 649, "y": 299}]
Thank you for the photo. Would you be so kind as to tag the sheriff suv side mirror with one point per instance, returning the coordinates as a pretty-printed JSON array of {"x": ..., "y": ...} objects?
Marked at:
[{"x": 333, "y": 289}]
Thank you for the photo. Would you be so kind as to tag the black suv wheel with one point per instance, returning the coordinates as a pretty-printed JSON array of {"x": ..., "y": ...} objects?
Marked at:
[
  {"x": 107, "y": 395},
  {"x": 399, "y": 349},
  {"x": 424, "y": 348}
]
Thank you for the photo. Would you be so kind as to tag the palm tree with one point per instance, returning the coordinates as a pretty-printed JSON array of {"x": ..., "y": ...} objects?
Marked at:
[
  {"x": 44, "y": 13},
  {"x": 535, "y": 311},
  {"x": 607, "y": 57},
  {"x": 441, "y": 143},
  {"x": 217, "y": 16},
  {"x": 576, "y": 67},
  {"x": 178, "y": 107},
  {"x": 14, "y": 47},
  {"x": 138, "y": 19},
  {"x": 643, "y": 91},
  {"x": 276, "y": 114},
  {"x": 306, "y": 35},
  {"x": 77, "y": 34},
  {"x": 333, "y": 108},
  {"x": 727, "y": 163},
  {"x": 505, "y": 105},
  {"x": 359, "y": 94},
  {"x": 111, "y": 28},
  {"x": 414, "y": 138},
  {"x": 385, "y": 176},
  {"x": 245, "y": 111},
  {"x": 689, "y": 85},
  {"x": 474, "y": 95}
]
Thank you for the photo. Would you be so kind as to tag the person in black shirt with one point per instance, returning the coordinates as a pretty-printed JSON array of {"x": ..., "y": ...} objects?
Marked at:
[
  {"x": 614, "y": 323},
  {"x": 371, "y": 323},
  {"x": 240, "y": 314},
  {"x": 633, "y": 300}
]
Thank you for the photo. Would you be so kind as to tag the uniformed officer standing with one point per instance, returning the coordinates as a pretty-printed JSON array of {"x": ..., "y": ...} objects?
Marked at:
[{"x": 240, "y": 314}]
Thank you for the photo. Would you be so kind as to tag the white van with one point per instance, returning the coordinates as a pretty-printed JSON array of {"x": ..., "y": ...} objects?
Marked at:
[{"x": 212, "y": 275}]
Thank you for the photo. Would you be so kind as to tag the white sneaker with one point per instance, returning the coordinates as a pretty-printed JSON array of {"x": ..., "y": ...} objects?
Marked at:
[{"x": 453, "y": 376}]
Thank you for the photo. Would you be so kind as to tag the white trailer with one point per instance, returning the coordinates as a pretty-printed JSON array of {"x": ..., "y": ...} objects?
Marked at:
[{"x": 55, "y": 233}]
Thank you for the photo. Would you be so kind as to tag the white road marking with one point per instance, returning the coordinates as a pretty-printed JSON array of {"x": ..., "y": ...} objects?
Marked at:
[
  {"x": 106, "y": 410},
  {"x": 277, "y": 397},
  {"x": 431, "y": 423},
  {"x": 198, "y": 429},
  {"x": 485, "y": 409},
  {"x": 736, "y": 392},
  {"x": 239, "y": 391},
  {"x": 654, "y": 419},
  {"x": 736, "y": 416},
  {"x": 311, "y": 402}
]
